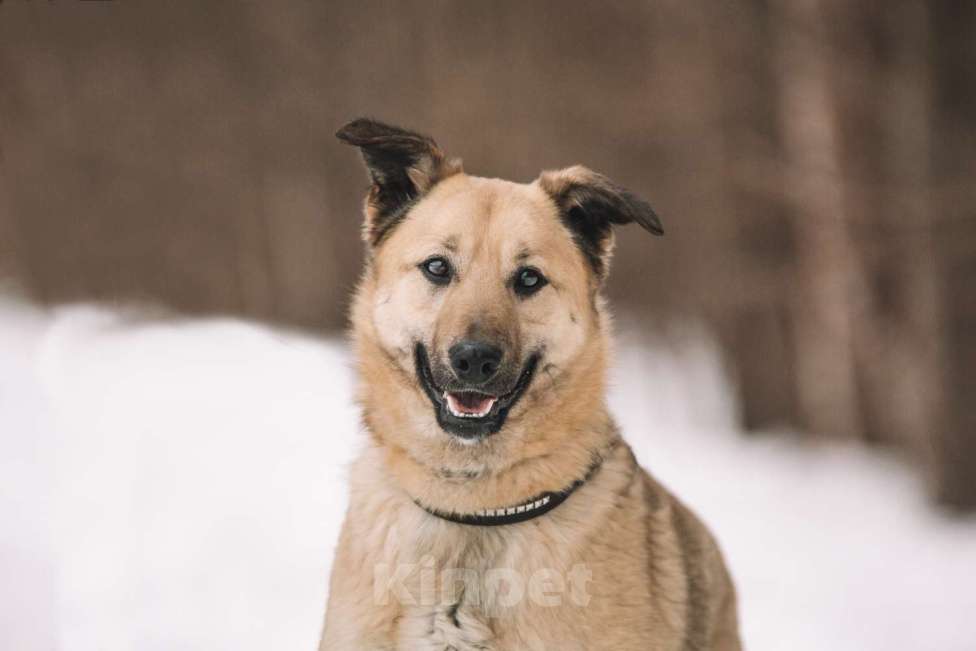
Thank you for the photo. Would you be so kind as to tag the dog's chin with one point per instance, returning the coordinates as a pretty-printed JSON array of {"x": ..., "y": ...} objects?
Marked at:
[{"x": 471, "y": 415}]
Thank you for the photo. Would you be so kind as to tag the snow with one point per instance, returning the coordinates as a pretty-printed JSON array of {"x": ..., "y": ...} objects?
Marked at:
[{"x": 179, "y": 484}]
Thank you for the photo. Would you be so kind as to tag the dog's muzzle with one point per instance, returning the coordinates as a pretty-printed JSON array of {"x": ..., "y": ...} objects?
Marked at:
[{"x": 472, "y": 407}]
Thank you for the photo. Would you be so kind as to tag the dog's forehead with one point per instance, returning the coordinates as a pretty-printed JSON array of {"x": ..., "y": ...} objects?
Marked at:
[{"x": 471, "y": 211}]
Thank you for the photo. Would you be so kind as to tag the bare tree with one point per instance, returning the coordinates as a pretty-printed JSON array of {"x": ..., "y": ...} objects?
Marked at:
[{"x": 829, "y": 280}]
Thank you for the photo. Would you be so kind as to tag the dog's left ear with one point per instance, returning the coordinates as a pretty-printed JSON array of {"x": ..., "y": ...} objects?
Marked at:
[
  {"x": 402, "y": 165},
  {"x": 590, "y": 205}
]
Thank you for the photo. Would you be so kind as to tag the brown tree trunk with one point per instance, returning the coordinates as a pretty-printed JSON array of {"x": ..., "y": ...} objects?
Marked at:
[
  {"x": 953, "y": 201},
  {"x": 908, "y": 383},
  {"x": 829, "y": 282}
]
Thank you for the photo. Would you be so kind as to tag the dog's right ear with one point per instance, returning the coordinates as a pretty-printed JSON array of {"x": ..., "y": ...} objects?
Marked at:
[
  {"x": 402, "y": 165},
  {"x": 590, "y": 205}
]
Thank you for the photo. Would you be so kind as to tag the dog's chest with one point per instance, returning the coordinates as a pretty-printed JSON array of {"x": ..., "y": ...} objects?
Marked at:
[
  {"x": 449, "y": 599},
  {"x": 488, "y": 595},
  {"x": 444, "y": 629}
]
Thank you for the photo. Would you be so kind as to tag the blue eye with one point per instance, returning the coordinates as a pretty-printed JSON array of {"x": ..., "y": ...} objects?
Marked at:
[
  {"x": 437, "y": 270},
  {"x": 528, "y": 281}
]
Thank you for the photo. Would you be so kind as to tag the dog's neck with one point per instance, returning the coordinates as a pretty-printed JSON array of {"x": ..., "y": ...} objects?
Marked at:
[
  {"x": 526, "y": 509},
  {"x": 509, "y": 468}
]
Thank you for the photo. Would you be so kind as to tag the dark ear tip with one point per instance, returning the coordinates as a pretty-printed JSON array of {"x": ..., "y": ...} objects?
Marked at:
[
  {"x": 355, "y": 132},
  {"x": 366, "y": 132},
  {"x": 648, "y": 219}
]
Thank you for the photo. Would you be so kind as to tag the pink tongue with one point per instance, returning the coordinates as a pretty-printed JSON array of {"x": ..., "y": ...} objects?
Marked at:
[{"x": 471, "y": 403}]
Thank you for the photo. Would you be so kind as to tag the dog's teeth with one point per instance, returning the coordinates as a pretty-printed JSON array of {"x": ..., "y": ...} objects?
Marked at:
[{"x": 454, "y": 408}]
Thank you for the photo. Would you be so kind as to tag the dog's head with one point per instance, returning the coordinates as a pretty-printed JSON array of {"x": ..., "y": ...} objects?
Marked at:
[{"x": 480, "y": 308}]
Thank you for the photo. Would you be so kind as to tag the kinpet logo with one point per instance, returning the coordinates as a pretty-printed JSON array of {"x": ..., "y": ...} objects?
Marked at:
[{"x": 493, "y": 590}]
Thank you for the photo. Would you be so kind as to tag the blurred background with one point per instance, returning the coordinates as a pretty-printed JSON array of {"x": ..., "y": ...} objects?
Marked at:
[{"x": 812, "y": 161}]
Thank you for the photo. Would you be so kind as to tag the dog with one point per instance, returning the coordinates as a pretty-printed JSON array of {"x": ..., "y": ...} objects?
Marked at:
[{"x": 495, "y": 505}]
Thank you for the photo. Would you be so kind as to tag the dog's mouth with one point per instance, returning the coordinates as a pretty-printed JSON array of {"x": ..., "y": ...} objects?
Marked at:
[
  {"x": 471, "y": 414},
  {"x": 467, "y": 404}
]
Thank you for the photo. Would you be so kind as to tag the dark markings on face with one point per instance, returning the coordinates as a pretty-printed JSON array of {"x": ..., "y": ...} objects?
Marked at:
[
  {"x": 390, "y": 217},
  {"x": 590, "y": 236},
  {"x": 448, "y": 473}
]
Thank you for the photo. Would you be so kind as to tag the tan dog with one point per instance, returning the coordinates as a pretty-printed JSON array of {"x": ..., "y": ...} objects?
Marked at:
[{"x": 496, "y": 506}]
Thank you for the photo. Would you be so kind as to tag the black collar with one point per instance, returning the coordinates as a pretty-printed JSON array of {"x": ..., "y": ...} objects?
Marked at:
[{"x": 527, "y": 510}]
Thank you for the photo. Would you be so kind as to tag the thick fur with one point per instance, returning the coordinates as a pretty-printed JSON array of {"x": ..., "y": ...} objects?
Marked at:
[{"x": 655, "y": 577}]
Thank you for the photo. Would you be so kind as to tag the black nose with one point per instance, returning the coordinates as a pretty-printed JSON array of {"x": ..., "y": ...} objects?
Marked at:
[{"x": 475, "y": 362}]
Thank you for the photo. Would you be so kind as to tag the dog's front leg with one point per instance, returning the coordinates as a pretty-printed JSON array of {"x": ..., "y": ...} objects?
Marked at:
[{"x": 355, "y": 620}]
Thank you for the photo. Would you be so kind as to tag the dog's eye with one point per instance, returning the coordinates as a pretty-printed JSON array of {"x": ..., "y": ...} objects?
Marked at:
[
  {"x": 528, "y": 281},
  {"x": 437, "y": 270}
]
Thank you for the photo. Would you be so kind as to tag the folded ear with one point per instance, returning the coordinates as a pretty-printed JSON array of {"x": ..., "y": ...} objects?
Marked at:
[
  {"x": 590, "y": 205},
  {"x": 402, "y": 166}
]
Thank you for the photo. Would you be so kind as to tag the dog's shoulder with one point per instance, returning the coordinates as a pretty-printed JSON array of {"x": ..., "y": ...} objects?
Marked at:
[{"x": 688, "y": 553}]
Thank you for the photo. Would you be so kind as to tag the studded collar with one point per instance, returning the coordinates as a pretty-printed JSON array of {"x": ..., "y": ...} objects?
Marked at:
[{"x": 527, "y": 510}]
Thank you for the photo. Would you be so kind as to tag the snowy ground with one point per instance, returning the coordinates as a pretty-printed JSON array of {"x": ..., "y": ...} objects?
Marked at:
[{"x": 179, "y": 485}]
